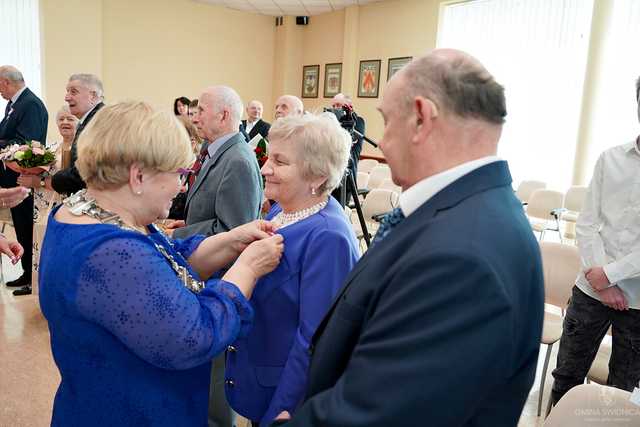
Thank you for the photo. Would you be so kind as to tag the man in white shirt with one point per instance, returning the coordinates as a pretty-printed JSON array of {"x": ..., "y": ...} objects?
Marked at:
[
  {"x": 254, "y": 124},
  {"x": 607, "y": 292}
]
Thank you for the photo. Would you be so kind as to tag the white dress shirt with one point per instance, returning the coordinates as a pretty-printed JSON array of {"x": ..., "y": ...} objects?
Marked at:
[
  {"x": 608, "y": 227},
  {"x": 250, "y": 125},
  {"x": 415, "y": 196}
]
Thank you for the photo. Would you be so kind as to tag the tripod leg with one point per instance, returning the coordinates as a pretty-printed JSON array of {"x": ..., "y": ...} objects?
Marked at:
[{"x": 351, "y": 184}]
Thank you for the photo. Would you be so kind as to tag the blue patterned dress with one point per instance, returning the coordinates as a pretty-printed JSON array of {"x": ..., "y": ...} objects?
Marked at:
[{"x": 132, "y": 344}]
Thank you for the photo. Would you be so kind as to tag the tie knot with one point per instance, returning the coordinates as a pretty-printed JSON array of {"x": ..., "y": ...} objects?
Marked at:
[{"x": 389, "y": 221}]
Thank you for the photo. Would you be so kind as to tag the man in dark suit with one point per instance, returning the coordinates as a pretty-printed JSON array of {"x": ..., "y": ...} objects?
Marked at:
[
  {"x": 254, "y": 124},
  {"x": 440, "y": 321},
  {"x": 84, "y": 96},
  {"x": 25, "y": 119},
  {"x": 226, "y": 193}
]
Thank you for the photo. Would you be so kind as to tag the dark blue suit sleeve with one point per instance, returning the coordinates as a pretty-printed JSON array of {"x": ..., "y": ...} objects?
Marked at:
[
  {"x": 329, "y": 258},
  {"x": 33, "y": 123},
  {"x": 432, "y": 334}
]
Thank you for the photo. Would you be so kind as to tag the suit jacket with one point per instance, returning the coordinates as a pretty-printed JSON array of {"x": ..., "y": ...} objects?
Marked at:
[
  {"x": 28, "y": 121},
  {"x": 68, "y": 180},
  {"x": 227, "y": 192},
  {"x": 440, "y": 322},
  {"x": 261, "y": 127},
  {"x": 269, "y": 365}
]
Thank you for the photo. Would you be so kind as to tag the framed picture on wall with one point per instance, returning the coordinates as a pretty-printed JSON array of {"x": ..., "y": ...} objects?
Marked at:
[
  {"x": 332, "y": 80},
  {"x": 310, "y": 79},
  {"x": 395, "y": 64},
  {"x": 369, "y": 78}
]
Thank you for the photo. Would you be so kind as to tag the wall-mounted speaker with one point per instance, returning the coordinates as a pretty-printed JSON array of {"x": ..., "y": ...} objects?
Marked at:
[{"x": 302, "y": 20}]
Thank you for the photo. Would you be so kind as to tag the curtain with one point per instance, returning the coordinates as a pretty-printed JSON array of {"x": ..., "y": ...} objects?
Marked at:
[
  {"x": 538, "y": 51},
  {"x": 615, "y": 110},
  {"x": 20, "y": 41}
]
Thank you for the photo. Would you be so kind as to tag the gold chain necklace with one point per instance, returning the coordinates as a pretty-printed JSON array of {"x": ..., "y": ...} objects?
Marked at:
[{"x": 80, "y": 204}]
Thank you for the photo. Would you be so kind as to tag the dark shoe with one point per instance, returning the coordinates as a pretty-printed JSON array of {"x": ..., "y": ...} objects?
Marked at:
[
  {"x": 19, "y": 282},
  {"x": 25, "y": 290}
]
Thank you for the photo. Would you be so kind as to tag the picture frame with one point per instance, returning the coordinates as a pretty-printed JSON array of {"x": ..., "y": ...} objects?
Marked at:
[
  {"x": 395, "y": 64},
  {"x": 310, "y": 81},
  {"x": 369, "y": 78},
  {"x": 332, "y": 79}
]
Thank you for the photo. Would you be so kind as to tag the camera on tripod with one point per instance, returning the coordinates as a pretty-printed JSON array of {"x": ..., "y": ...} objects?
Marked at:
[{"x": 347, "y": 119}]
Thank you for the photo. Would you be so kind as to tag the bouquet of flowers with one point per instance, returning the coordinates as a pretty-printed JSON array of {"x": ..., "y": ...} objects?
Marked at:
[
  {"x": 261, "y": 152},
  {"x": 30, "y": 158}
]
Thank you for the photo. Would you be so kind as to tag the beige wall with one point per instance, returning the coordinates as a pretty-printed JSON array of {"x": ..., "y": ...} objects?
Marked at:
[
  {"x": 156, "y": 50},
  {"x": 383, "y": 30}
]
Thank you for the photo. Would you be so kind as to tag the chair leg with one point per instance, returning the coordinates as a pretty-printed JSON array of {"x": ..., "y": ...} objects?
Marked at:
[
  {"x": 549, "y": 405},
  {"x": 544, "y": 376}
]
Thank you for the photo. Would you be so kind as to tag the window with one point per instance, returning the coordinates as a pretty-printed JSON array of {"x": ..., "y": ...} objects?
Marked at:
[
  {"x": 538, "y": 51},
  {"x": 20, "y": 41}
]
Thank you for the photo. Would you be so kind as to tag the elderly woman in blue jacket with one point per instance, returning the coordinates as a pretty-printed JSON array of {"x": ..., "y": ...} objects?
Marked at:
[{"x": 266, "y": 371}]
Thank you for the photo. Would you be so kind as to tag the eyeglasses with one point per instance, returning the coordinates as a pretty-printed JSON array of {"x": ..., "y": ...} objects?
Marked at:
[{"x": 184, "y": 175}]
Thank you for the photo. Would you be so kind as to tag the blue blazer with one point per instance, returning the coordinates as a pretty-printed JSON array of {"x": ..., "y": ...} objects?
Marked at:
[
  {"x": 440, "y": 322},
  {"x": 266, "y": 372},
  {"x": 28, "y": 121}
]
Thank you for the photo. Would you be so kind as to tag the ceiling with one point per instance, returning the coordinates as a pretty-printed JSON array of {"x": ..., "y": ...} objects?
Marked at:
[{"x": 288, "y": 7}]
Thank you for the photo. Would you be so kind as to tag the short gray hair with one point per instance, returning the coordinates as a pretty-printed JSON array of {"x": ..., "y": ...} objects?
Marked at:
[
  {"x": 457, "y": 83},
  {"x": 321, "y": 144},
  {"x": 228, "y": 99},
  {"x": 64, "y": 110},
  {"x": 90, "y": 80},
  {"x": 11, "y": 73}
]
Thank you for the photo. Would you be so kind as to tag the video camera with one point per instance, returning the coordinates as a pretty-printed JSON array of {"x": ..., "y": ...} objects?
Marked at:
[{"x": 347, "y": 119}]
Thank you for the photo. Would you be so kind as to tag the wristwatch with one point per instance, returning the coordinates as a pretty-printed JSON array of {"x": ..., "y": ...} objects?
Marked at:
[{"x": 42, "y": 182}]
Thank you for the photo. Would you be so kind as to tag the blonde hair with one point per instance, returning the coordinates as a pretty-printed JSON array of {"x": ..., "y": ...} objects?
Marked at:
[
  {"x": 321, "y": 144},
  {"x": 126, "y": 133}
]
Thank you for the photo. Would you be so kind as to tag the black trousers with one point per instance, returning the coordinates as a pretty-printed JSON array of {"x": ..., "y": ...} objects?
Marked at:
[
  {"x": 22, "y": 217},
  {"x": 584, "y": 327}
]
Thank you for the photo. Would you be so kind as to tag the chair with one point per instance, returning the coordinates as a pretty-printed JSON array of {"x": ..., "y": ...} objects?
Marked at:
[
  {"x": 573, "y": 201},
  {"x": 540, "y": 211},
  {"x": 594, "y": 406},
  {"x": 561, "y": 265},
  {"x": 378, "y": 175},
  {"x": 389, "y": 185},
  {"x": 362, "y": 180},
  {"x": 526, "y": 188},
  {"x": 365, "y": 165},
  {"x": 377, "y": 203},
  {"x": 599, "y": 371}
]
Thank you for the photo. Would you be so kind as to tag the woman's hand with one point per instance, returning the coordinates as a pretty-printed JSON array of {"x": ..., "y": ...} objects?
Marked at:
[
  {"x": 10, "y": 197},
  {"x": 260, "y": 257},
  {"x": 11, "y": 248},
  {"x": 246, "y": 234},
  {"x": 30, "y": 181}
]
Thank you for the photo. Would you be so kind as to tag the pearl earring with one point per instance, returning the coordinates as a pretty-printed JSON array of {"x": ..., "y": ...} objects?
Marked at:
[
  {"x": 313, "y": 191},
  {"x": 139, "y": 192}
]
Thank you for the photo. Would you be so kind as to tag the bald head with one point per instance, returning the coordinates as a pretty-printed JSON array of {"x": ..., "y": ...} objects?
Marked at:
[
  {"x": 340, "y": 100},
  {"x": 457, "y": 83},
  {"x": 254, "y": 110},
  {"x": 219, "y": 112},
  {"x": 287, "y": 105},
  {"x": 11, "y": 81}
]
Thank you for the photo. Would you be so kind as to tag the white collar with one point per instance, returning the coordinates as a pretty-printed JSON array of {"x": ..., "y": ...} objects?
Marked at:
[
  {"x": 419, "y": 193},
  {"x": 15, "y": 97},
  {"x": 87, "y": 113}
]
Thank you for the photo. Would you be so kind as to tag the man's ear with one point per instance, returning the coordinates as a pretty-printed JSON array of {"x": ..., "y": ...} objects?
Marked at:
[{"x": 426, "y": 112}]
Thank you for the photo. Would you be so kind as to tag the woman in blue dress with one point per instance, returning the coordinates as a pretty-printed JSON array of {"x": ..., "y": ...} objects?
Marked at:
[
  {"x": 266, "y": 371},
  {"x": 134, "y": 316}
]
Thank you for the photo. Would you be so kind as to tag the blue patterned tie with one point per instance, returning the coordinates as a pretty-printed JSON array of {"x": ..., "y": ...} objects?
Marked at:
[
  {"x": 389, "y": 221},
  {"x": 8, "y": 108}
]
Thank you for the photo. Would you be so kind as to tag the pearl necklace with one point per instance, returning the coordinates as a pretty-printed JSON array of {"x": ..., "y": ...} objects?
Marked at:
[{"x": 283, "y": 219}]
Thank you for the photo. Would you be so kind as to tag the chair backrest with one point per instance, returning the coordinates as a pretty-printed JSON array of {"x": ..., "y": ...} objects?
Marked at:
[
  {"x": 365, "y": 165},
  {"x": 378, "y": 175},
  {"x": 526, "y": 188},
  {"x": 561, "y": 265},
  {"x": 379, "y": 201},
  {"x": 388, "y": 184},
  {"x": 362, "y": 180},
  {"x": 542, "y": 202},
  {"x": 594, "y": 406},
  {"x": 574, "y": 199}
]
